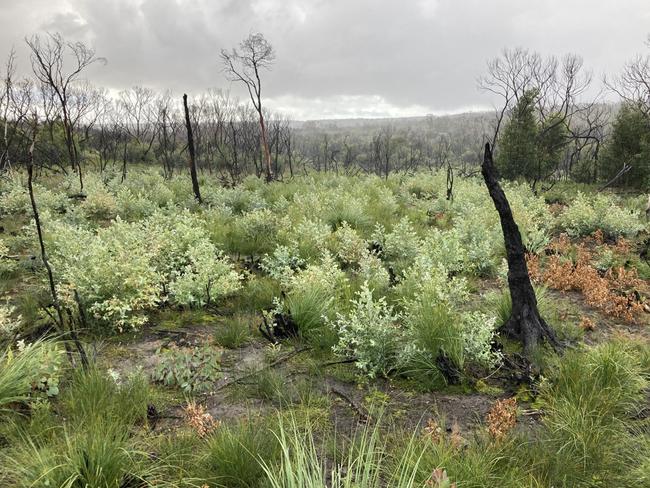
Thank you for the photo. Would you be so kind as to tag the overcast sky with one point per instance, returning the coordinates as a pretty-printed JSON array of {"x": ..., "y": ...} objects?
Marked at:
[{"x": 335, "y": 58}]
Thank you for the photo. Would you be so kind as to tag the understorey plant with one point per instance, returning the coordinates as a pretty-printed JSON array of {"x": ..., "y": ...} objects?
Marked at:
[{"x": 193, "y": 370}]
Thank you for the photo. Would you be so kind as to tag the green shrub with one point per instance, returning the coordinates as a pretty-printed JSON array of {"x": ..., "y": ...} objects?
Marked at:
[
  {"x": 132, "y": 205},
  {"x": 100, "y": 204},
  {"x": 122, "y": 271},
  {"x": 309, "y": 237},
  {"x": 282, "y": 264},
  {"x": 192, "y": 370},
  {"x": 7, "y": 266},
  {"x": 193, "y": 270},
  {"x": 347, "y": 245},
  {"x": 206, "y": 276},
  {"x": 372, "y": 271},
  {"x": 14, "y": 199},
  {"x": 478, "y": 333},
  {"x": 110, "y": 270},
  {"x": 588, "y": 213},
  {"x": 9, "y": 322},
  {"x": 400, "y": 247},
  {"x": 370, "y": 334},
  {"x": 29, "y": 369}
]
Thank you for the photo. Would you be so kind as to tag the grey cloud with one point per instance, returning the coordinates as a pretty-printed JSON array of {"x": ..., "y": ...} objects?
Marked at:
[{"x": 401, "y": 56}]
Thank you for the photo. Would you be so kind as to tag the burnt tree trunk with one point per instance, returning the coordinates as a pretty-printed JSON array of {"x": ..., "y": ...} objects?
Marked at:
[
  {"x": 60, "y": 322},
  {"x": 525, "y": 322},
  {"x": 190, "y": 147},
  {"x": 265, "y": 144}
]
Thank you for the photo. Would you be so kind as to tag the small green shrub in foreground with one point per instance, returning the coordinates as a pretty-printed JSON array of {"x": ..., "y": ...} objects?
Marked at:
[
  {"x": 192, "y": 370},
  {"x": 31, "y": 368}
]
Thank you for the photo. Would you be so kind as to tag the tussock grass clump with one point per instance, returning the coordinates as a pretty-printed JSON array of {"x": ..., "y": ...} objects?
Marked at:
[
  {"x": 98, "y": 454},
  {"x": 94, "y": 446},
  {"x": 233, "y": 454},
  {"x": 366, "y": 464},
  {"x": 309, "y": 308},
  {"x": 24, "y": 370},
  {"x": 95, "y": 394},
  {"x": 590, "y": 400},
  {"x": 436, "y": 331},
  {"x": 234, "y": 332}
]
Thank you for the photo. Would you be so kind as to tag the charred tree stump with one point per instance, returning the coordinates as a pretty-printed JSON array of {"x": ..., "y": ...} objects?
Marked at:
[
  {"x": 190, "y": 147},
  {"x": 450, "y": 182},
  {"x": 525, "y": 323}
]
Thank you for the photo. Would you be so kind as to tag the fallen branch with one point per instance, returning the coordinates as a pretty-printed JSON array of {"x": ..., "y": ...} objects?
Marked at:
[
  {"x": 258, "y": 371},
  {"x": 363, "y": 416},
  {"x": 626, "y": 168},
  {"x": 341, "y": 361}
]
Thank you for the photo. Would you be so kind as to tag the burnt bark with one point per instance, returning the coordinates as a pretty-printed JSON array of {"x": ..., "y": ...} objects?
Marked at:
[
  {"x": 525, "y": 323},
  {"x": 60, "y": 321},
  {"x": 190, "y": 147}
]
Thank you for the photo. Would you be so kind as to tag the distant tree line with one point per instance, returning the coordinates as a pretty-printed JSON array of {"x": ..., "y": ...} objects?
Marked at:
[{"x": 549, "y": 126}]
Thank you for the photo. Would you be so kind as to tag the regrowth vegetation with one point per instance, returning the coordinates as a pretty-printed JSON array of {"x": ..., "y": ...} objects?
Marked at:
[{"x": 362, "y": 284}]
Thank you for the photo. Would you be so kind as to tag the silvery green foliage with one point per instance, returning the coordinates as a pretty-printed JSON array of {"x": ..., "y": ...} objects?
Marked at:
[
  {"x": 399, "y": 247},
  {"x": 282, "y": 264},
  {"x": 347, "y": 245},
  {"x": 160, "y": 249},
  {"x": 133, "y": 205},
  {"x": 9, "y": 322},
  {"x": 474, "y": 242},
  {"x": 99, "y": 204},
  {"x": 478, "y": 333},
  {"x": 123, "y": 270},
  {"x": 588, "y": 213},
  {"x": 427, "y": 273},
  {"x": 111, "y": 269},
  {"x": 372, "y": 271},
  {"x": 206, "y": 276},
  {"x": 7, "y": 265},
  {"x": 533, "y": 218},
  {"x": 326, "y": 276},
  {"x": 309, "y": 237},
  {"x": 370, "y": 333},
  {"x": 14, "y": 198},
  {"x": 194, "y": 271}
]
